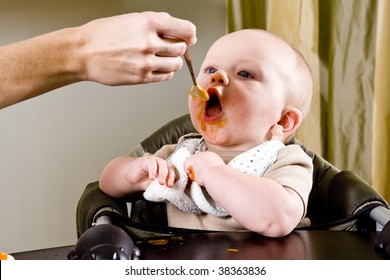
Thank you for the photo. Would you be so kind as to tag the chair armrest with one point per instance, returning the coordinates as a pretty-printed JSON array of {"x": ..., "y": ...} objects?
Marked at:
[
  {"x": 348, "y": 195},
  {"x": 95, "y": 203}
]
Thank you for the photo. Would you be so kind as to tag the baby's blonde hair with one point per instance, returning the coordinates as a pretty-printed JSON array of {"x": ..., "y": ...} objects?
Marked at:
[
  {"x": 300, "y": 85},
  {"x": 304, "y": 91}
]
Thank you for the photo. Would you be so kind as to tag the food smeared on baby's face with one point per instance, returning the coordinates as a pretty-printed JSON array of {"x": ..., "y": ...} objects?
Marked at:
[{"x": 210, "y": 116}]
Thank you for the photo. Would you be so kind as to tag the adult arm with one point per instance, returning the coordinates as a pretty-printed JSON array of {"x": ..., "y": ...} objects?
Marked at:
[{"x": 121, "y": 50}]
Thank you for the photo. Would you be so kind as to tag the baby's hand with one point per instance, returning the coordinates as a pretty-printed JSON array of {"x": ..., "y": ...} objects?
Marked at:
[
  {"x": 198, "y": 164},
  {"x": 160, "y": 169}
]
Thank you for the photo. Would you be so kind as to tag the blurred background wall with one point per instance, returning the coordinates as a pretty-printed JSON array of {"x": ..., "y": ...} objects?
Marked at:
[{"x": 52, "y": 146}]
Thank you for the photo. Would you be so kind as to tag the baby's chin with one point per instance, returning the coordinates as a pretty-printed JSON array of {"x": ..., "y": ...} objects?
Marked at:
[
  {"x": 215, "y": 138},
  {"x": 209, "y": 137}
]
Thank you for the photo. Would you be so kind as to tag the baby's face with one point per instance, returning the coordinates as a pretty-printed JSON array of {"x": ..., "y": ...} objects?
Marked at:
[{"x": 243, "y": 75}]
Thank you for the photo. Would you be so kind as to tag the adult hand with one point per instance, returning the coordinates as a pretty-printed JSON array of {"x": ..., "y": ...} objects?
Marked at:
[
  {"x": 135, "y": 48},
  {"x": 121, "y": 50}
]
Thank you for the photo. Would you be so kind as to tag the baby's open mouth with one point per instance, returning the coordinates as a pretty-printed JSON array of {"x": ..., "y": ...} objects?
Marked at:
[{"x": 213, "y": 107}]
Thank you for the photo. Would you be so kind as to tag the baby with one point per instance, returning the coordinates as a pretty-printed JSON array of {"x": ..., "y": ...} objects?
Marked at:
[{"x": 260, "y": 90}]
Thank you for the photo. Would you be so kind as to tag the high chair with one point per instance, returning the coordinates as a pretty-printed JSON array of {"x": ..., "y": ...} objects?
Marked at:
[{"x": 339, "y": 200}]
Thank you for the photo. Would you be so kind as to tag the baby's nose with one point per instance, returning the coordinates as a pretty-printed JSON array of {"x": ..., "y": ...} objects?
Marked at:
[{"x": 220, "y": 77}]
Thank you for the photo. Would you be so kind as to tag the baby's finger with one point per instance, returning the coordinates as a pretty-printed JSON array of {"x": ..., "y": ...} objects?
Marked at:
[
  {"x": 152, "y": 169},
  {"x": 173, "y": 176},
  {"x": 162, "y": 171}
]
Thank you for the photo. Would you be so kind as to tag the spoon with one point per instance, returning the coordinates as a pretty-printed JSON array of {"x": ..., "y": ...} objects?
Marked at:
[{"x": 195, "y": 90}]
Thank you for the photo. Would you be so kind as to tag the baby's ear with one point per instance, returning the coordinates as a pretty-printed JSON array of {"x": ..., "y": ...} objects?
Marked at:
[{"x": 289, "y": 122}]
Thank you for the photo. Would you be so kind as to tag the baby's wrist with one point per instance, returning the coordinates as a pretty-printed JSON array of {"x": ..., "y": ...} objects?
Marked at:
[{"x": 212, "y": 174}]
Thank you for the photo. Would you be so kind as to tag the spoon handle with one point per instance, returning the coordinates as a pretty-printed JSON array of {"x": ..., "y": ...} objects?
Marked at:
[{"x": 187, "y": 58}]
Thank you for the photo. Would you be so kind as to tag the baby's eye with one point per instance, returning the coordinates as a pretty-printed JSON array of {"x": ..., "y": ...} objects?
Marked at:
[
  {"x": 211, "y": 70},
  {"x": 245, "y": 74}
]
